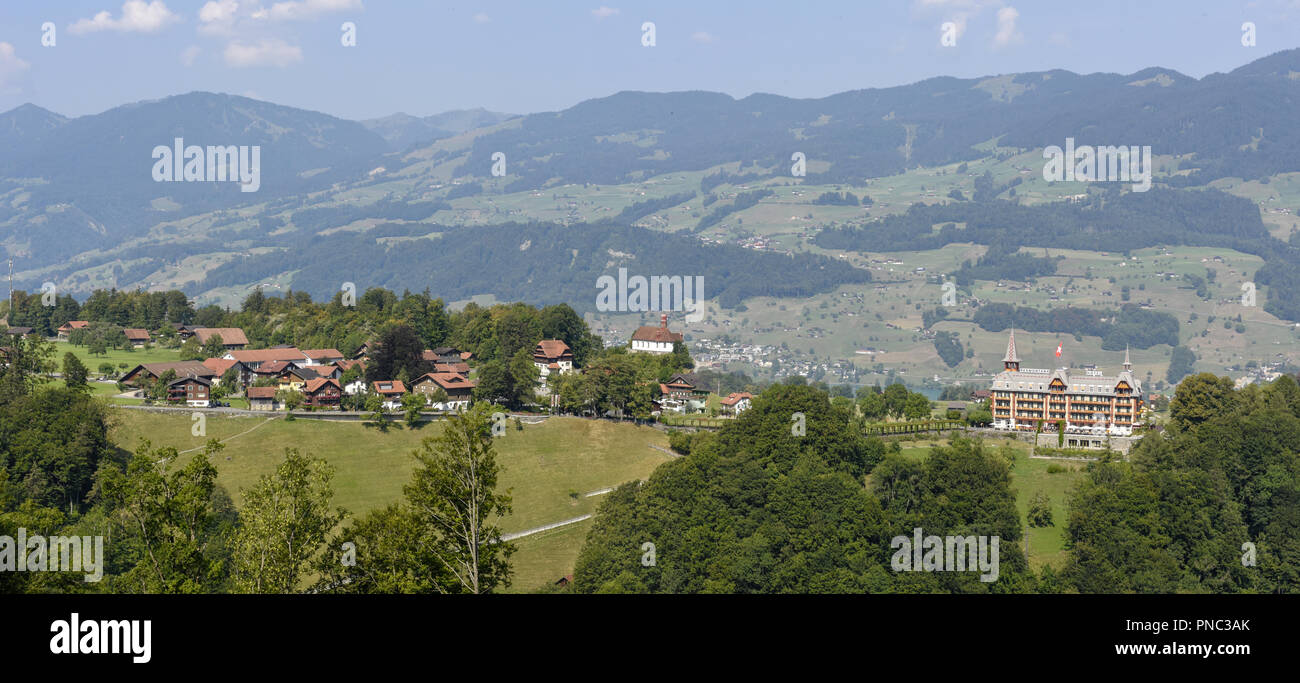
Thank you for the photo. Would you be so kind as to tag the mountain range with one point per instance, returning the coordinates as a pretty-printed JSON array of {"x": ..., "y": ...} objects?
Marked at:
[
  {"x": 403, "y": 131},
  {"x": 72, "y": 189}
]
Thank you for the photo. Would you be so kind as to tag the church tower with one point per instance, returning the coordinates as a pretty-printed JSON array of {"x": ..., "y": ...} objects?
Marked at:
[{"x": 1011, "y": 361}]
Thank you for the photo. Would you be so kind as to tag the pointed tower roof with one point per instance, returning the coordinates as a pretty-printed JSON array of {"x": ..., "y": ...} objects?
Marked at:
[
  {"x": 1011, "y": 356},
  {"x": 1128, "y": 365}
]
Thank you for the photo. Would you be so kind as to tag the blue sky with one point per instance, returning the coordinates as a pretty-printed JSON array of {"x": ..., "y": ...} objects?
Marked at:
[{"x": 526, "y": 56}]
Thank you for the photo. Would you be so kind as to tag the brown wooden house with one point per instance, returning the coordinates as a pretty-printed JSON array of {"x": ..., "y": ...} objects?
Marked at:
[
  {"x": 192, "y": 391},
  {"x": 460, "y": 390},
  {"x": 322, "y": 392}
]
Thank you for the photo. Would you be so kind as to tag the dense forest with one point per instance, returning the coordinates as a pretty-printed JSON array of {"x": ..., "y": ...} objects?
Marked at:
[
  {"x": 839, "y": 199},
  {"x": 1222, "y": 486},
  {"x": 1004, "y": 262},
  {"x": 948, "y": 348},
  {"x": 1129, "y": 326},
  {"x": 539, "y": 263},
  {"x": 756, "y": 508}
]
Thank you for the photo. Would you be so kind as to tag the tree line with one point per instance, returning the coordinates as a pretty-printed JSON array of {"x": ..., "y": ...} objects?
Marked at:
[{"x": 1129, "y": 326}]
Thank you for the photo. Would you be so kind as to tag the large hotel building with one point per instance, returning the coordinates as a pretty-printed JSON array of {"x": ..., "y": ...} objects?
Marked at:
[{"x": 1090, "y": 404}]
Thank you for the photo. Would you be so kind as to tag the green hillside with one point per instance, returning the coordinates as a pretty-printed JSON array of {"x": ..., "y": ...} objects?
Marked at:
[{"x": 542, "y": 466}]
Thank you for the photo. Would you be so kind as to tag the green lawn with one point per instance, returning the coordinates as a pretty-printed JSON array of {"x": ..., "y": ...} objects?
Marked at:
[
  {"x": 541, "y": 466},
  {"x": 1028, "y": 477},
  {"x": 541, "y": 559},
  {"x": 104, "y": 390},
  {"x": 115, "y": 356},
  {"x": 1046, "y": 544}
]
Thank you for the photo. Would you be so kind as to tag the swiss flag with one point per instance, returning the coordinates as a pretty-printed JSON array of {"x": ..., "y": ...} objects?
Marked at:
[{"x": 1058, "y": 349}]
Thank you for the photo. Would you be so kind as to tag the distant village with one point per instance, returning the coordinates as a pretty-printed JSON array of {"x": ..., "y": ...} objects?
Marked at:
[{"x": 285, "y": 377}]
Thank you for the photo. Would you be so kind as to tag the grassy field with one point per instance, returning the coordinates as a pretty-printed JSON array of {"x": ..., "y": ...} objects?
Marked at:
[
  {"x": 548, "y": 467},
  {"x": 541, "y": 559},
  {"x": 115, "y": 357},
  {"x": 1046, "y": 545}
]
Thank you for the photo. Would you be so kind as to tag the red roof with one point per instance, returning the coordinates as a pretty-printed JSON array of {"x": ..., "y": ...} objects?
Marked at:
[
  {"x": 734, "y": 398},
  {"x": 552, "y": 349},
  {"x": 219, "y": 365},
  {"x": 660, "y": 334},
  {"x": 267, "y": 355},
  {"x": 393, "y": 387},
  {"x": 458, "y": 368},
  {"x": 274, "y": 367},
  {"x": 318, "y": 354},
  {"x": 74, "y": 325},
  {"x": 325, "y": 370},
  {"x": 184, "y": 368},
  {"x": 314, "y": 385},
  {"x": 260, "y": 392},
  {"x": 136, "y": 334},
  {"x": 229, "y": 335},
  {"x": 447, "y": 380}
]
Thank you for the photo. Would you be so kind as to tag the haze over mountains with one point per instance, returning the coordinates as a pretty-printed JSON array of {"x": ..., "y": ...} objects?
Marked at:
[
  {"x": 403, "y": 130},
  {"x": 72, "y": 190}
]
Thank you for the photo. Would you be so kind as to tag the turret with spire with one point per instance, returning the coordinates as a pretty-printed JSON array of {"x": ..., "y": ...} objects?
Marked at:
[
  {"x": 1128, "y": 366},
  {"x": 1011, "y": 361}
]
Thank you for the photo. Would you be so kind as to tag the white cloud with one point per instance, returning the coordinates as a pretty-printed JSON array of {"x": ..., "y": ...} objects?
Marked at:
[
  {"x": 218, "y": 16},
  {"x": 271, "y": 52},
  {"x": 10, "y": 65},
  {"x": 218, "y": 11},
  {"x": 603, "y": 12},
  {"x": 190, "y": 54},
  {"x": 137, "y": 16},
  {"x": 308, "y": 9},
  {"x": 481, "y": 18},
  {"x": 224, "y": 17},
  {"x": 702, "y": 37},
  {"x": 1007, "y": 33}
]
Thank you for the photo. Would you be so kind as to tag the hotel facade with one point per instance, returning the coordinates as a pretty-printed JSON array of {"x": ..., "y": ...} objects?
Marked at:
[{"x": 1088, "y": 403}]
